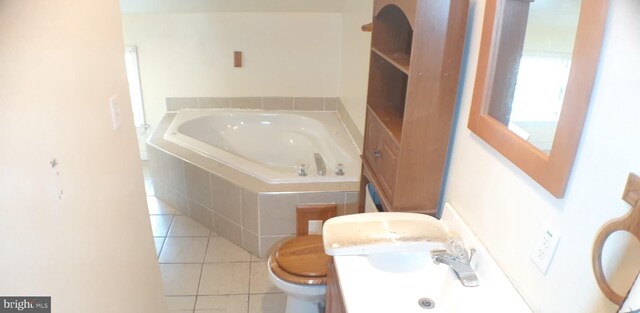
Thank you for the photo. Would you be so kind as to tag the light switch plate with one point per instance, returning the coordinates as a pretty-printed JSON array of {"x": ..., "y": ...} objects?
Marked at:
[{"x": 544, "y": 248}]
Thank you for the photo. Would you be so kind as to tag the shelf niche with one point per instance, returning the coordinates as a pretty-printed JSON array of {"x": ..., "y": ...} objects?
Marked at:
[
  {"x": 387, "y": 94},
  {"x": 389, "y": 71},
  {"x": 393, "y": 36}
]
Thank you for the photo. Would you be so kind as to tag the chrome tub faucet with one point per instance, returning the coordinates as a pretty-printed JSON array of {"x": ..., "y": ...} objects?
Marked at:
[{"x": 322, "y": 168}]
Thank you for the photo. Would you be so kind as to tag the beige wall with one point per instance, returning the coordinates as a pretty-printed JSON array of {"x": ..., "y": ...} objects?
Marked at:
[
  {"x": 191, "y": 55},
  {"x": 92, "y": 250},
  {"x": 506, "y": 209},
  {"x": 356, "y": 46}
]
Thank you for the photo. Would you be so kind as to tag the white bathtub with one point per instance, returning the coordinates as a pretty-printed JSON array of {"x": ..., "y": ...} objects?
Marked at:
[{"x": 269, "y": 145}]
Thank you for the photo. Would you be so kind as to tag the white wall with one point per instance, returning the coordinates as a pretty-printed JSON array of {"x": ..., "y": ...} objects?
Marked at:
[
  {"x": 356, "y": 48},
  {"x": 92, "y": 251},
  {"x": 506, "y": 208},
  {"x": 202, "y": 6},
  {"x": 191, "y": 55}
]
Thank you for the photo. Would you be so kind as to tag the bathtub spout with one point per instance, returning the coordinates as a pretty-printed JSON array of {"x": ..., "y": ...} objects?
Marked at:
[{"x": 322, "y": 169}]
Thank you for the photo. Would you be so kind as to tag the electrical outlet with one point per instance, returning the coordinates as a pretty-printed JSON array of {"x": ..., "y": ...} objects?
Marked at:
[
  {"x": 544, "y": 248},
  {"x": 315, "y": 227}
]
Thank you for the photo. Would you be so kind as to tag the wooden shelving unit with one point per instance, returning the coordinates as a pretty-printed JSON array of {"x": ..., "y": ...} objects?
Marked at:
[{"x": 416, "y": 51}]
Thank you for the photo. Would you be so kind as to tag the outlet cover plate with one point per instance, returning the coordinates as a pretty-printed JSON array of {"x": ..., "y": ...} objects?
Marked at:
[{"x": 544, "y": 248}]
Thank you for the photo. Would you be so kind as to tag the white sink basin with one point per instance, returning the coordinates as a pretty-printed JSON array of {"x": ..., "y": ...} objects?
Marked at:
[
  {"x": 397, "y": 281},
  {"x": 371, "y": 233}
]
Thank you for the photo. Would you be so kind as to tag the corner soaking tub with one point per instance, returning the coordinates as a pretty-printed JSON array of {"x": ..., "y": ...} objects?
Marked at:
[{"x": 270, "y": 145}]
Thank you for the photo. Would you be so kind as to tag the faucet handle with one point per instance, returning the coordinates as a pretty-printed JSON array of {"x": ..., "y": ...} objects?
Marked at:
[
  {"x": 302, "y": 169},
  {"x": 455, "y": 247},
  {"x": 340, "y": 169},
  {"x": 472, "y": 252}
]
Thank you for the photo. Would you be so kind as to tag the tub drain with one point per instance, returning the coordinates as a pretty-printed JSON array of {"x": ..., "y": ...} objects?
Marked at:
[{"x": 426, "y": 303}]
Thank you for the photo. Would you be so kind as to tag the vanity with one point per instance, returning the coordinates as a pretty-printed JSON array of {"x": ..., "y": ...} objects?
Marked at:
[{"x": 400, "y": 275}]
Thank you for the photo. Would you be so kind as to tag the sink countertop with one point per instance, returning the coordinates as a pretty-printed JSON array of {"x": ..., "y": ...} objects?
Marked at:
[{"x": 395, "y": 282}]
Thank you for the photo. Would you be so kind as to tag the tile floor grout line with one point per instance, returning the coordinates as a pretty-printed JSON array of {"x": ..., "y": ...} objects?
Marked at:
[
  {"x": 187, "y": 236},
  {"x": 164, "y": 241},
  {"x": 249, "y": 289},
  {"x": 206, "y": 249}
]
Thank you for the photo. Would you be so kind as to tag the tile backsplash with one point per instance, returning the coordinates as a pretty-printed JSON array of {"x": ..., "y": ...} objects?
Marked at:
[{"x": 264, "y": 103}]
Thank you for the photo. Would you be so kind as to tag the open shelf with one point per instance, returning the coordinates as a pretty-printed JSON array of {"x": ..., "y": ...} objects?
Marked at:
[
  {"x": 391, "y": 118},
  {"x": 387, "y": 93},
  {"x": 393, "y": 35},
  {"x": 397, "y": 59}
]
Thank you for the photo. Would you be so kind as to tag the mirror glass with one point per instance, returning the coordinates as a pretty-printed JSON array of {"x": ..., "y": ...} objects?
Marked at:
[
  {"x": 529, "y": 87},
  {"x": 537, "y": 65}
]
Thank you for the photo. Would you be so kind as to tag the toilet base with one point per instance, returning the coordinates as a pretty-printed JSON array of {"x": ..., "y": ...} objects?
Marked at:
[
  {"x": 296, "y": 305},
  {"x": 300, "y": 298}
]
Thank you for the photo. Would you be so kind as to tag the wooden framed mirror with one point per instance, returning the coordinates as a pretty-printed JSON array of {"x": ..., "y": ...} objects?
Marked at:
[{"x": 536, "y": 69}]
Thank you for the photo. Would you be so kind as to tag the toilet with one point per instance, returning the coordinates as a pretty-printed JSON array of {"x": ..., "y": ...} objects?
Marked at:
[{"x": 299, "y": 268}]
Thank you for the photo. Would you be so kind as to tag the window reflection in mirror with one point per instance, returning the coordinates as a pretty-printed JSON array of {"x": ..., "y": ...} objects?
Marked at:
[{"x": 533, "y": 62}]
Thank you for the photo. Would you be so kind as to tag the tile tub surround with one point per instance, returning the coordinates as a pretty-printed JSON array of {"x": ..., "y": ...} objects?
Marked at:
[
  {"x": 243, "y": 209},
  {"x": 263, "y": 103}
]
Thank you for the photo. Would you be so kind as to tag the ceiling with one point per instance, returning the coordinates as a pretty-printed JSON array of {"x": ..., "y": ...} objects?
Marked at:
[{"x": 207, "y": 6}]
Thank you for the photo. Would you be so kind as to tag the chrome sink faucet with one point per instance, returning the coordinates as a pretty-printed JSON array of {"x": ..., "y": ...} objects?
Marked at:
[{"x": 458, "y": 259}]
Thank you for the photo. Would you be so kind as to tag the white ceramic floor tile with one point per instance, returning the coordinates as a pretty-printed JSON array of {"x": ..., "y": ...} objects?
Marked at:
[
  {"x": 267, "y": 303},
  {"x": 223, "y": 250},
  {"x": 225, "y": 303},
  {"x": 180, "y": 302},
  {"x": 185, "y": 226},
  {"x": 180, "y": 279},
  {"x": 224, "y": 279},
  {"x": 184, "y": 250},
  {"x": 259, "y": 280},
  {"x": 160, "y": 224},
  {"x": 213, "y": 302},
  {"x": 157, "y": 206},
  {"x": 159, "y": 242}
]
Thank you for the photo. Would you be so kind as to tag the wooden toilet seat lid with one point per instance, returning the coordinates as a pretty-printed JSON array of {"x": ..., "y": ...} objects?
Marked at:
[{"x": 303, "y": 256}]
